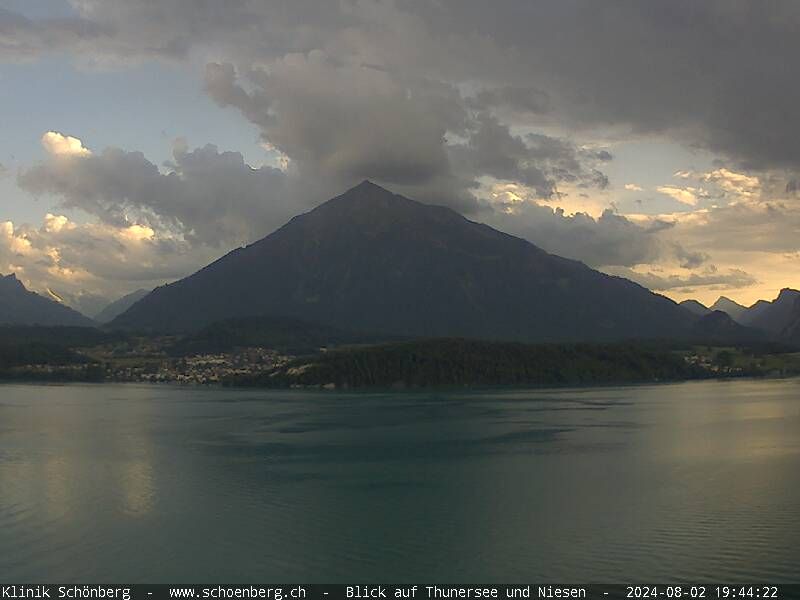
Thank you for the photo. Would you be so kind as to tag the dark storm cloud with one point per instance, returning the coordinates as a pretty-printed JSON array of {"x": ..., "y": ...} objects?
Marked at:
[
  {"x": 345, "y": 120},
  {"x": 715, "y": 74},
  {"x": 518, "y": 98},
  {"x": 340, "y": 123},
  {"x": 712, "y": 73},
  {"x": 537, "y": 161},
  {"x": 351, "y": 122}
]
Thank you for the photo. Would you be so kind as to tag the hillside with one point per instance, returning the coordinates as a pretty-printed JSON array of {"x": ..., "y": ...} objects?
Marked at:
[
  {"x": 696, "y": 308},
  {"x": 116, "y": 308},
  {"x": 370, "y": 260},
  {"x": 18, "y": 306},
  {"x": 284, "y": 334},
  {"x": 791, "y": 331},
  {"x": 719, "y": 327},
  {"x": 773, "y": 316}
]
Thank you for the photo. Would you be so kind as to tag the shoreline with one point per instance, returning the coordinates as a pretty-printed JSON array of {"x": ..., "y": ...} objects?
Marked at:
[{"x": 394, "y": 391}]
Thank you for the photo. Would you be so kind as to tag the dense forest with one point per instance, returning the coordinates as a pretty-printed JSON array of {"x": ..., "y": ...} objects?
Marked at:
[
  {"x": 41, "y": 345},
  {"x": 460, "y": 362}
]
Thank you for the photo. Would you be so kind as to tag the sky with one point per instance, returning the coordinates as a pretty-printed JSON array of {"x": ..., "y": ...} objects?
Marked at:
[{"x": 140, "y": 140}]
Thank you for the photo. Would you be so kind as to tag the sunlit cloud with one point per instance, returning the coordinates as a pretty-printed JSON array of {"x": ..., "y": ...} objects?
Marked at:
[
  {"x": 58, "y": 144},
  {"x": 736, "y": 183},
  {"x": 687, "y": 195},
  {"x": 138, "y": 233}
]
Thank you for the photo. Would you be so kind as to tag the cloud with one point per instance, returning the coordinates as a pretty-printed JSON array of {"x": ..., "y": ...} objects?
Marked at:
[
  {"x": 153, "y": 224},
  {"x": 440, "y": 100},
  {"x": 345, "y": 120},
  {"x": 350, "y": 122},
  {"x": 731, "y": 279},
  {"x": 692, "y": 75},
  {"x": 689, "y": 259},
  {"x": 694, "y": 79},
  {"x": 754, "y": 237},
  {"x": 207, "y": 196},
  {"x": 515, "y": 97},
  {"x": 58, "y": 144},
  {"x": 740, "y": 227},
  {"x": 156, "y": 224},
  {"x": 688, "y": 195},
  {"x": 734, "y": 183},
  {"x": 26, "y": 39},
  {"x": 93, "y": 259},
  {"x": 536, "y": 161},
  {"x": 608, "y": 240}
]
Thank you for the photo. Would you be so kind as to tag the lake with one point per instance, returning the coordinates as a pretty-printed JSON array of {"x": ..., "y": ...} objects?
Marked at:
[{"x": 692, "y": 482}]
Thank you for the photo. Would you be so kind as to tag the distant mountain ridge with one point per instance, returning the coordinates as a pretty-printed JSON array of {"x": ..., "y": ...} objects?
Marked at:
[
  {"x": 780, "y": 318},
  {"x": 18, "y": 306},
  {"x": 119, "y": 306},
  {"x": 719, "y": 326},
  {"x": 86, "y": 303},
  {"x": 371, "y": 260},
  {"x": 773, "y": 316},
  {"x": 791, "y": 332},
  {"x": 696, "y": 307},
  {"x": 726, "y": 305}
]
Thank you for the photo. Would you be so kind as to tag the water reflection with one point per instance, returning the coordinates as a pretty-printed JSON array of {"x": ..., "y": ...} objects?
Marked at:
[{"x": 137, "y": 485}]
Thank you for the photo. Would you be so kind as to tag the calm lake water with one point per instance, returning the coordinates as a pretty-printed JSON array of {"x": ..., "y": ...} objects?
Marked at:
[{"x": 697, "y": 482}]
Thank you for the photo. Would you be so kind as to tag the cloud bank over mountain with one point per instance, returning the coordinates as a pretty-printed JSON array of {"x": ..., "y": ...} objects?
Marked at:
[{"x": 518, "y": 114}]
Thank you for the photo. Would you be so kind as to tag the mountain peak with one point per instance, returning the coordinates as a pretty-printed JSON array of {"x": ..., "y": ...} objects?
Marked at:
[
  {"x": 367, "y": 193},
  {"x": 11, "y": 280},
  {"x": 725, "y": 301},
  {"x": 726, "y": 305},
  {"x": 696, "y": 307},
  {"x": 18, "y": 306},
  {"x": 371, "y": 207},
  {"x": 787, "y": 293},
  {"x": 371, "y": 260},
  {"x": 367, "y": 184},
  {"x": 366, "y": 187}
]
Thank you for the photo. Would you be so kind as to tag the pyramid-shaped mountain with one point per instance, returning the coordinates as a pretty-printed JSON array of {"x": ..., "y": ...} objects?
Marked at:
[
  {"x": 18, "y": 306},
  {"x": 733, "y": 309},
  {"x": 373, "y": 261}
]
